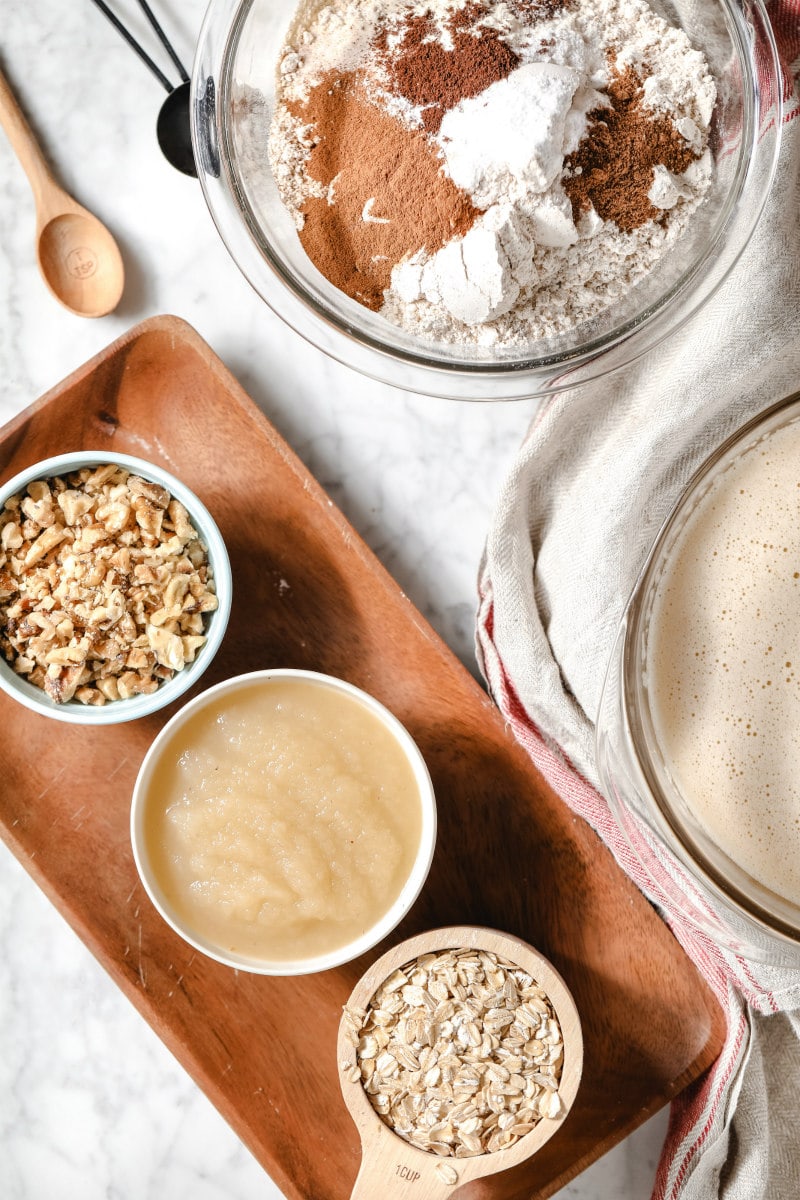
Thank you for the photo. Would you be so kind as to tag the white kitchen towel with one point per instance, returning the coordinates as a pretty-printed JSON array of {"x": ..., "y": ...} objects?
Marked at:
[{"x": 600, "y": 469}]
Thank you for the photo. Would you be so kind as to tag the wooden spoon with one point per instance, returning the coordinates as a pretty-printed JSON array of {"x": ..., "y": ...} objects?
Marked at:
[
  {"x": 390, "y": 1164},
  {"x": 78, "y": 258}
]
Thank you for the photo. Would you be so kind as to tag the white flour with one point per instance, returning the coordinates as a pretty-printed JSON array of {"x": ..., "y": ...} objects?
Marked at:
[{"x": 525, "y": 270}]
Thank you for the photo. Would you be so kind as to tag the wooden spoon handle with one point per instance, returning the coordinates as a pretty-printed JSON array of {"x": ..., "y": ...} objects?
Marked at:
[{"x": 25, "y": 144}]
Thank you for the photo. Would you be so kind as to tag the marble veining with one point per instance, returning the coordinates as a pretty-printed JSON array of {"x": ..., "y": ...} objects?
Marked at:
[{"x": 92, "y": 1105}]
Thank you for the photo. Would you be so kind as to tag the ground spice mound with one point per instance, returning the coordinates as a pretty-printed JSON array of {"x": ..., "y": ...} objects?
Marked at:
[
  {"x": 391, "y": 197},
  {"x": 429, "y": 75},
  {"x": 612, "y": 169},
  {"x": 538, "y": 10}
]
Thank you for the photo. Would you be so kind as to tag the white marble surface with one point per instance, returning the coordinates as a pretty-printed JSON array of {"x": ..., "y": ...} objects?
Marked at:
[{"x": 91, "y": 1103}]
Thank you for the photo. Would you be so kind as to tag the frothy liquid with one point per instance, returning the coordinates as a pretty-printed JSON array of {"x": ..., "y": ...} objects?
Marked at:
[{"x": 723, "y": 662}]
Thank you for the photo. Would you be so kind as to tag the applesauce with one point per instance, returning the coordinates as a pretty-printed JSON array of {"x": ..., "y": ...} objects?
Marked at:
[{"x": 281, "y": 819}]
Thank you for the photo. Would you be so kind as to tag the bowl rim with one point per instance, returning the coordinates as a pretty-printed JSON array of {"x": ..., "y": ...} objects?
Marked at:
[
  {"x": 525, "y": 376},
  {"x": 376, "y": 932},
  {"x": 118, "y": 711}
]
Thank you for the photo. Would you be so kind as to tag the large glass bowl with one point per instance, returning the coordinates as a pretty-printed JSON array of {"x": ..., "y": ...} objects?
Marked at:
[
  {"x": 233, "y": 96},
  {"x": 690, "y": 873}
]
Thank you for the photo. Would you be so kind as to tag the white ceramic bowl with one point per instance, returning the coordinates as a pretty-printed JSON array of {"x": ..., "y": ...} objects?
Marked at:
[
  {"x": 321, "y": 962},
  {"x": 116, "y": 711}
]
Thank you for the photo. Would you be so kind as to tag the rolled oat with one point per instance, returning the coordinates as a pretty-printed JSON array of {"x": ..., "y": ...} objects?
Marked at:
[{"x": 460, "y": 1052}]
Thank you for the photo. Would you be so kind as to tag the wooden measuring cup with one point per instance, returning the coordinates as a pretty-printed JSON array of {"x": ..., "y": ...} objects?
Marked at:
[{"x": 389, "y": 1164}]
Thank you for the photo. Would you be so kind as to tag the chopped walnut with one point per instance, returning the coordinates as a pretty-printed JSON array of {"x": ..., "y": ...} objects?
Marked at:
[{"x": 103, "y": 585}]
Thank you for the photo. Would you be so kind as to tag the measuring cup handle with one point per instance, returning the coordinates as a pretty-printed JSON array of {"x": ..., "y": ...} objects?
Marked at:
[{"x": 391, "y": 1170}]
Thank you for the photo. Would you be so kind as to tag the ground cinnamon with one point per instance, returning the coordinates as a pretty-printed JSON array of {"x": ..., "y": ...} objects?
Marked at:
[
  {"x": 390, "y": 195},
  {"x": 612, "y": 169},
  {"x": 436, "y": 78}
]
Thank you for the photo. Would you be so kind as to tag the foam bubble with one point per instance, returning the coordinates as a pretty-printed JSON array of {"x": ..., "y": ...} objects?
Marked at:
[{"x": 723, "y": 661}]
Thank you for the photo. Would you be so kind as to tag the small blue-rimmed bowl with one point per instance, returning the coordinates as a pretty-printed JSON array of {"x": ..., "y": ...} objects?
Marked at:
[{"x": 115, "y": 711}]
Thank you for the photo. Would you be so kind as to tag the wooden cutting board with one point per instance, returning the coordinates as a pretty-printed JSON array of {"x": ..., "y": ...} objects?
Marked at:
[{"x": 308, "y": 593}]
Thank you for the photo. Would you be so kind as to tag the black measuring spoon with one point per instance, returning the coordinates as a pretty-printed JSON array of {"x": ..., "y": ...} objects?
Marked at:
[{"x": 172, "y": 127}]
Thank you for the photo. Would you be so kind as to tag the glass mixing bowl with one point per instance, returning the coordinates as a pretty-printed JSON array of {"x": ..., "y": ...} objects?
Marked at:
[
  {"x": 690, "y": 871},
  {"x": 233, "y": 96}
]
